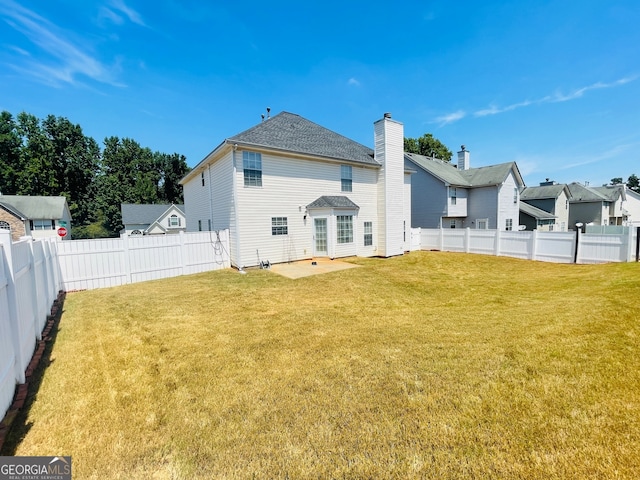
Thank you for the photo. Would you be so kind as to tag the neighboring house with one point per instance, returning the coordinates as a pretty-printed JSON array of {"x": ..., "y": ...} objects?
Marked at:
[
  {"x": 534, "y": 218},
  {"x": 152, "y": 219},
  {"x": 552, "y": 198},
  {"x": 596, "y": 205},
  {"x": 288, "y": 189},
  {"x": 449, "y": 196},
  {"x": 35, "y": 216},
  {"x": 632, "y": 207}
]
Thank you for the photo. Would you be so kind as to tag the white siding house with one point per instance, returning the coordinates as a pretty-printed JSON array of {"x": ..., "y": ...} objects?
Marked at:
[
  {"x": 550, "y": 197},
  {"x": 152, "y": 219},
  {"x": 289, "y": 189},
  {"x": 449, "y": 196}
]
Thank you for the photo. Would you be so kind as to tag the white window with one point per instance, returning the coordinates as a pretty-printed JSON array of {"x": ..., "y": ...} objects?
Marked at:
[
  {"x": 452, "y": 224},
  {"x": 482, "y": 223},
  {"x": 346, "y": 181},
  {"x": 515, "y": 194},
  {"x": 252, "y": 166},
  {"x": 279, "y": 226},
  {"x": 4, "y": 225},
  {"x": 42, "y": 225},
  {"x": 345, "y": 228},
  {"x": 509, "y": 224},
  {"x": 174, "y": 221},
  {"x": 368, "y": 234},
  {"x": 136, "y": 232},
  {"x": 453, "y": 193}
]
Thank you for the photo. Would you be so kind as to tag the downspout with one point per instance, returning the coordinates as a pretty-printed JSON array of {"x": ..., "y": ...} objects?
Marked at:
[
  {"x": 210, "y": 197},
  {"x": 235, "y": 209}
]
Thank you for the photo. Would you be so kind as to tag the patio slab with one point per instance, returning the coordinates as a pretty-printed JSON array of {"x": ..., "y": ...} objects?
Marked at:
[{"x": 306, "y": 268}]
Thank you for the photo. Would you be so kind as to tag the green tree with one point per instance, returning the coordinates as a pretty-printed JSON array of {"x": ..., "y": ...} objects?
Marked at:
[
  {"x": 633, "y": 183},
  {"x": 38, "y": 175},
  {"x": 429, "y": 146},
  {"x": 10, "y": 154},
  {"x": 617, "y": 181},
  {"x": 172, "y": 168},
  {"x": 76, "y": 159}
]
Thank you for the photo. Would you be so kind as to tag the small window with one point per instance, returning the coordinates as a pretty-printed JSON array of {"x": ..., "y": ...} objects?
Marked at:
[
  {"x": 515, "y": 194},
  {"x": 136, "y": 232},
  {"x": 509, "y": 224},
  {"x": 4, "y": 225},
  {"x": 368, "y": 234},
  {"x": 452, "y": 224},
  {"x": 453, "y": 194},
  {"x": 209, "y": 220},
  {"x": 346, "y": 181},
  {"x": 199, "y": 225},
  {"x": 345, "y": 228},
  {"x": 202, "y": 178},
  {"x": 482, "y": 224},
  {"x": 252, "y": 166},
  {"x": 279, "y": 226},
  {"x": 42, "y": 224},
  {"x": 174, "y": 221}
]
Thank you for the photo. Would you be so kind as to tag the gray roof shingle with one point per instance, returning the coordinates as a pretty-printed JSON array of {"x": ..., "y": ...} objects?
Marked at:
[
  {"x": 542, "y": 191},
  {"x": 535, "y": 212},
  {"x": 133, "y": 214},
  {"x": 291, "y": 132},
  {"x": 332, "y": 202},
  {"x": 37, "y": 207}
]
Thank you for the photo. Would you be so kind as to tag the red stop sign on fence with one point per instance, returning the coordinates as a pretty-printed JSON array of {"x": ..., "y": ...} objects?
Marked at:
[{"x": 62, "y": 232}]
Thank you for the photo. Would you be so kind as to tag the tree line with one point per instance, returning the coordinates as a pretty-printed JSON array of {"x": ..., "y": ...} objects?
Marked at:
[{"x": 54, "y": 157}]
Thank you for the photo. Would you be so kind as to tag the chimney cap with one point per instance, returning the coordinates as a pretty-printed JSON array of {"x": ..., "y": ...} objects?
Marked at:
[
  {"x": 463, "y": 148},
  {"x": 387, "y": 115}
]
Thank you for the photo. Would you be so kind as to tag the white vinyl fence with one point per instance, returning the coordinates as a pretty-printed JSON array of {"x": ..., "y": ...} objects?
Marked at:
[
  {"x": 90, "y": 264},
  {"x": 29, "y": 284},
  {"x": 534, "y": 245}
]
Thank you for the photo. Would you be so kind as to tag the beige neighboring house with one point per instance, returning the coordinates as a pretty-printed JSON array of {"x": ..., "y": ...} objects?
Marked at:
[
  {"x": 35, "y": 216},
  {"x": 551, "y": 207},
  {"x": 151, "y": 219},
  {"x": 632, "y": 207}
]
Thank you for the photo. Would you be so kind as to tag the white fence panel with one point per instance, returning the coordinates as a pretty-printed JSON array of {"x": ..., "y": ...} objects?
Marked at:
[
  {"x": 25, "y": 301},
  {"x": 90, "y": 264},
  {"x": 415, "y": 239},
  {"x": 454, "y": 240},
  {"x": 482, "y": 241},
  {"x": 556, "y": 247},
  {"x": 601, "y": 248},
  {"x": 7, "y": 352},
  {"x": 515, "y": 244}
]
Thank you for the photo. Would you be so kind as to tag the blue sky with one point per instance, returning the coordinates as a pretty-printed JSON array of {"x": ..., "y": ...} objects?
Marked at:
[{"x": 553, "y": 85}]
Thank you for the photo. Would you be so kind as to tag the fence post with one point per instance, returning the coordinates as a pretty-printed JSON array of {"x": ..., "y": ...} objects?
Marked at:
[
  {"x": 497, "y": 252},
  {"x": 441, "y": 239},
  {"x": 127, "y": 257},
  {"x": 183, "y": 253},
  {"x": 638, "y": 244},
  {"x": 534, "y": 244},
  {"x": 34, "y": 288},
  {"x": 577, "y": 248},
  {"x": 12, "y": 298},
  {"x": 467, "y": 240}
]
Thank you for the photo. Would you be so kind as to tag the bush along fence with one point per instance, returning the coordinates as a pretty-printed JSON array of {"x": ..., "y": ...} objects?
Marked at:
[{"x": 561, "y": 247}]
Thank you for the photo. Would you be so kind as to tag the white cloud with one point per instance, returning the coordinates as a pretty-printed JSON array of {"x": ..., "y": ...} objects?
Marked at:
[
  {"x": 451, "y": 117},
  {"x": 555, "y": 98},
  {"x": 66, "y": 61},
  {"x": 353, "y": 82}
]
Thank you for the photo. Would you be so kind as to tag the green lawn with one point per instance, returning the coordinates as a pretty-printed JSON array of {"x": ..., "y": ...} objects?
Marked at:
[{"x": 430, "y": 365}]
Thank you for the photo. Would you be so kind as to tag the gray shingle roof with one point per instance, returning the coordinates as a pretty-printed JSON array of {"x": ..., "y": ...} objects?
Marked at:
[
  {"x": 610, "y": 192},
  {"x": 580, "y": 193},
  {"x": 473, "y": 177},
  {"x": 37, "y": 207},
  {"x": 535, "y": 212},
  {"x": 543, "y": 191},
  {"x": 332, "y": 202},
  {"x": 133, "y": 214},
  {"x": 291, "y": 132}
]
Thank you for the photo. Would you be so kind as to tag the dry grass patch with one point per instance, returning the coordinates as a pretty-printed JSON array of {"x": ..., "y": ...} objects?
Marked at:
[{"x": 429, "y": 365}]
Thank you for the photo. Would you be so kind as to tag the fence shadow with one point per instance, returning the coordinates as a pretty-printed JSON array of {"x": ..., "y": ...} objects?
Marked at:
[{"x": 14, "y": 427}]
